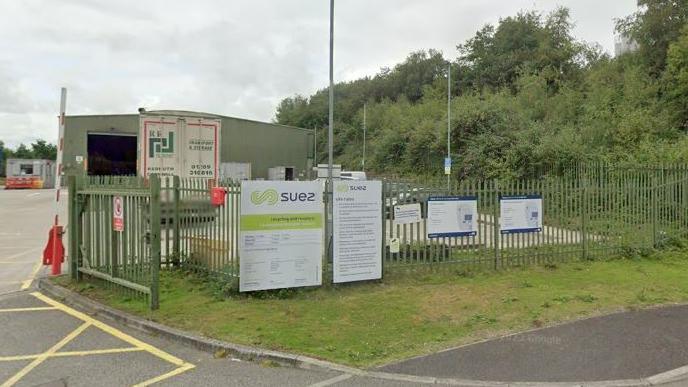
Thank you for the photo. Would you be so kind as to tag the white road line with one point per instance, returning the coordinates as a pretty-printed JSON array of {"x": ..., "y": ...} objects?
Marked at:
[
  {"x": 27, "y": 283},
  {"x": 23, "y": 253},
  {"x": 33, "y": 194},
  {"x": 15, "y": 262},
  {"x": 332, "y": 381}
]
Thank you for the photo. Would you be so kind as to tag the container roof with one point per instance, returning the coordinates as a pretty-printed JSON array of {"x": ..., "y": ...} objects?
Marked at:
[
  {"x": 185, "y": 113},
  {"x": 189, "y": 113}
]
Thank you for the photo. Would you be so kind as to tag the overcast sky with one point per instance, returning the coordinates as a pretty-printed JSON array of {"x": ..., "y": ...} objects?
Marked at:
[{"x": 231, "y": 57}]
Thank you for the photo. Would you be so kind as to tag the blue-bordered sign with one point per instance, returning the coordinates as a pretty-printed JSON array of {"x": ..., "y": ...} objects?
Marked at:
[
  {"x": 452, "y": 216},
  {"x": 447, "y": 165},
  {"x": 520, "y": 214}
]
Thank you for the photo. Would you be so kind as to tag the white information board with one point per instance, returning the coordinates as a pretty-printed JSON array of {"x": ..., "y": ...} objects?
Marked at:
[
  {"x": 407, "y": 213},
  {"x": 357, "y": 228},
  {"x": 281, "y": 234},
  {"x": 520, "y": 214},
  {"x": 183, "y": 146},
  {"x": 452, "y": 216}
]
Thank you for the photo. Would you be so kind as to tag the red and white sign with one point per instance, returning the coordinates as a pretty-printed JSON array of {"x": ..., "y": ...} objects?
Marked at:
[{"x": 117, "y": 214}]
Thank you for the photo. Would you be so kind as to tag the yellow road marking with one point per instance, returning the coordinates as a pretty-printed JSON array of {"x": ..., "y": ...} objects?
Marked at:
[
  {"x": 37, "y": 308},
  {"x": 72, "y": 353},
  {"x": 42, "y": 357},
  {"x": 89, "y": 321},
  {"x": 112, "y": 331},
  {"x": 98, "y": 352},
  {"x": 27, "y": 283},
  {"x": 180, "y": 370}
]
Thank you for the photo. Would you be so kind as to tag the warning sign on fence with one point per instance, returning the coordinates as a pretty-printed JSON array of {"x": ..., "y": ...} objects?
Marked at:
[{"x": 117, "y": 214}]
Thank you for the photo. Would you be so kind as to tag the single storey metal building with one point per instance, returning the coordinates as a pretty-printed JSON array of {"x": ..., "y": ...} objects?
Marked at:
[{"x": 110, "y": 144}]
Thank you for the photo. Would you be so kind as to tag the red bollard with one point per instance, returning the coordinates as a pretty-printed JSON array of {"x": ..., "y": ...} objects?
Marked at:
[{"x": 53, "y": 254}]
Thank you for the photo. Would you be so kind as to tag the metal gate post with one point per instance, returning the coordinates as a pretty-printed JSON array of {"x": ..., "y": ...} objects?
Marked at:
[
  {"x": 176, "y": 238},
  {"x": 74, "y": 228},
  {"x": 655, "y": 198},
  {"x": 326, "y": 272},
  {"x": 383, "y": 190},
  {"x": 114, "y": 238},
  {"x": 154, "y": 241},
  {"x": 495, "y": 223},
  {"x": 584, "y": 213}
]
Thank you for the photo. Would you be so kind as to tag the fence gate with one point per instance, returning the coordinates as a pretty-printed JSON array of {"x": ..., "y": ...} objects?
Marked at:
[{"x": 115, "y": 232}]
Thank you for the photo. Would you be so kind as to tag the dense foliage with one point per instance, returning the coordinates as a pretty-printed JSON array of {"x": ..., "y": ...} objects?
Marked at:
[{"x": 526, "y": 95}]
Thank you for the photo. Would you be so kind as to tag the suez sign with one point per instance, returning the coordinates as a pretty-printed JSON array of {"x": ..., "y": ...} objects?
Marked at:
[
  {"x": 280, "y": 234},
  {"x": 357, "y": 231},
  {"x": 281, "y": 240},
  {"x": 271, "y": 197},
  {"x": 178, "y": 145}
]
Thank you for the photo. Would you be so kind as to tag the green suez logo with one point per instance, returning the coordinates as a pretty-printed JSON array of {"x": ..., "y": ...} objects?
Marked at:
[
  {"x": 271, "y": 197},
  {"x": 158, "y": 145},
  {"x": 346, "y": 187}
]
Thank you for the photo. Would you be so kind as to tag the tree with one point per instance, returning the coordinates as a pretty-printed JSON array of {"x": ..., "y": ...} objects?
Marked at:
[
  {"x": 496, "y": 56},
  {"x": 42, "y": 150},
  {"x": 419, "y": 69},
  {"x": 654, "y": 27},
  {"x": 39, "y": 149},
  {"x": 22, "y": 152},
  {"x": 675, "y": 80},
  {"x": 529, "y": 96}
]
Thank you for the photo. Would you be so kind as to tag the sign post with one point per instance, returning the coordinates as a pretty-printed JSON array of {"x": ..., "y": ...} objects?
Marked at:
[
  {"x": 407, "y": 213},
  {"x": 520, "y": 214},
  {"x": 117, "y": 214},
  {"x": 452, "y": 216},
  {"x": 281, "y": 234},
  {"x": 357, "y": 219},
  {"x": 53, "y": 253}
]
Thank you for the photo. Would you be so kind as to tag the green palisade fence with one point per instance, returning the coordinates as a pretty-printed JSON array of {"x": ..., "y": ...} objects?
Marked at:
[
  {"x": 196, "y": 234},
  {"x": 590, "y": 211},
  {"x": 128, "y": 260}
]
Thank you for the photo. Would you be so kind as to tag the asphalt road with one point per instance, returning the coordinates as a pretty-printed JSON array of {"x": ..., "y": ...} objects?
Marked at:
[
  {"x": 25, "y": 220},
  {"x": 630, "y": 345}
]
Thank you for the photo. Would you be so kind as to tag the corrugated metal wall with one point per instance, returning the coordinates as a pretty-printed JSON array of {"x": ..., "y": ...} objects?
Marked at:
[{"x": 264, "y": 145}]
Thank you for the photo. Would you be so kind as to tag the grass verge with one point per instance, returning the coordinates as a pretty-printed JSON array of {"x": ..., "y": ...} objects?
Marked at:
[{"x": 408, "y": 314}]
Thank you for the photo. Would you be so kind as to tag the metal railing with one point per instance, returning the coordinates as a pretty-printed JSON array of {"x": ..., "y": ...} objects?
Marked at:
[
  {"x": 589, "y": 211},
  {"x": 130, "y": 258},
  {"x": 195, "y": 233}
]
